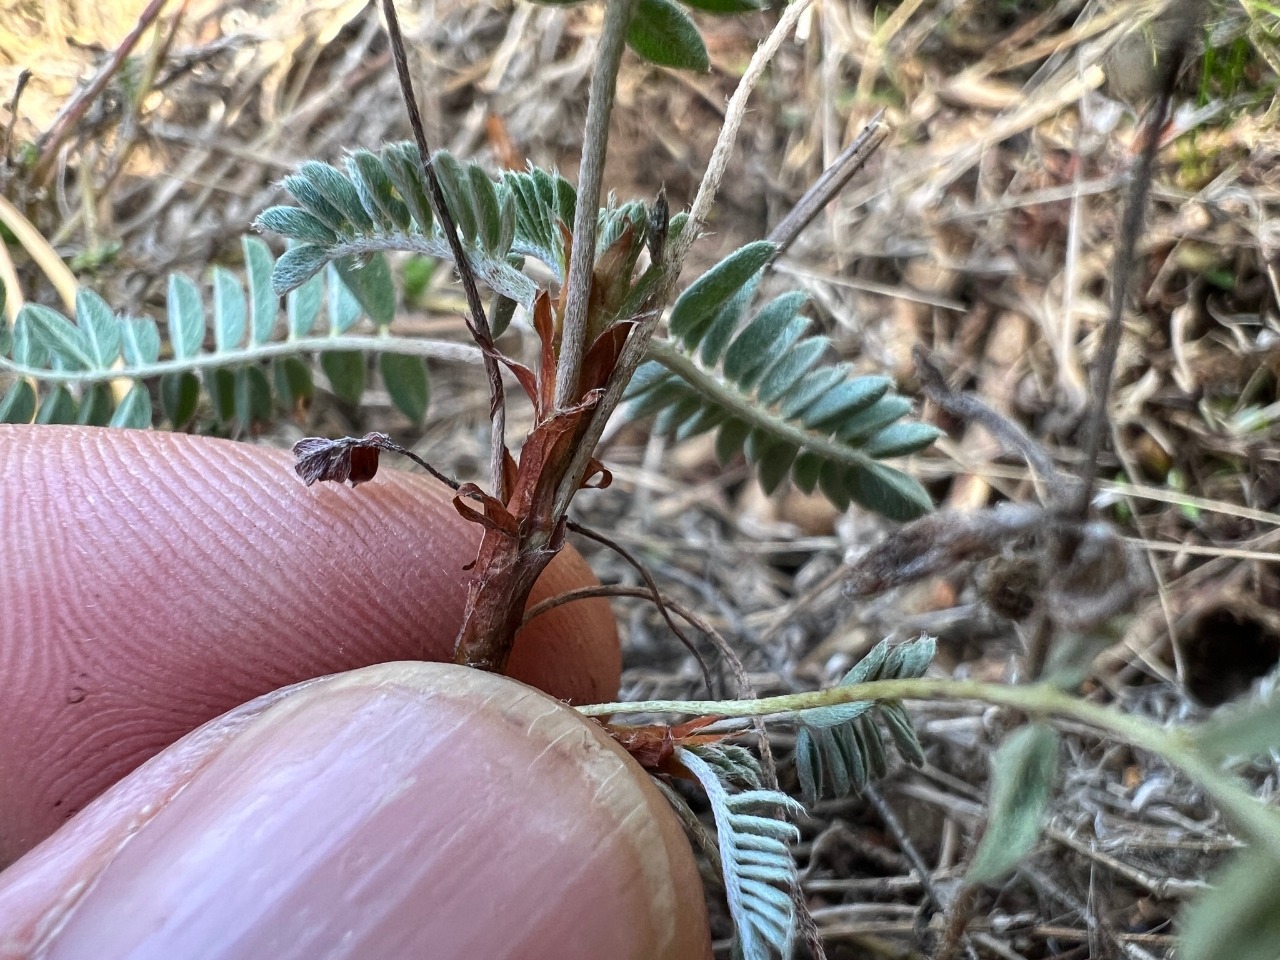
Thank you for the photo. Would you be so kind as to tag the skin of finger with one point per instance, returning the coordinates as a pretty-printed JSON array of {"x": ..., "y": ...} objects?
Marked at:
[
  {"x": 403, "y": 810},
  {"x": 152, "y": 581}
]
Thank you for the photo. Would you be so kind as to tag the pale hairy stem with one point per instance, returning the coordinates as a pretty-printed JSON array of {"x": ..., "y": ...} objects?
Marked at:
[
  {"x": 435, "y": 349},
  {"x": 590, "y": 176},
  {"x": 637, "y": 347},
  {"x": 1256, "y": 821}
]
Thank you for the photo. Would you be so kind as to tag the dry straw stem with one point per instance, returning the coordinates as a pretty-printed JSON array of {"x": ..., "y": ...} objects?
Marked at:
[
  {"x": 42, "y": 253},
  {"x": 723, "y": 150},
  {"x": 1131, "y": 229},
  {"x": 879, "y": 41},
  {"x": 1059, "y": 85},
  {"x": 959, "y": 463},
  {"x": 66, "y": 120}
]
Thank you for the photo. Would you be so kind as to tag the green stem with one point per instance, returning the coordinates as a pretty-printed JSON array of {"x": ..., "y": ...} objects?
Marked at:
[
  {"x": 604, "y": 80},
  {"x": 1254, "y": 820}
]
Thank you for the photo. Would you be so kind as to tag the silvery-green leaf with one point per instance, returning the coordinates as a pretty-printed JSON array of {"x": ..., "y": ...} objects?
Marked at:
[
  {"x": 19, "y": 402},
  {"x": 96, "y": 406},
  {"x": 302, "y": 306},
  {"x": 457, "y": 193},
  {"x": 1239, "y": 918},
  {"x": 345, "y": 370},
  {"x": 405, "y": 378},
  {"x": 377, "y": 194},
  {"x": 179, "y": 396},
  {"x": 134, "y": 411},
  {"x": 252, "y": 396},
  {"x": 886, "y": 491},
  {"x": 404, "y": 167},
  {"x": 141, "y": 341},
  {"x": 264, "y": 303},
  {"x": 857, "y": 428},
  {"x": 1242, "y": 730},
  {"x": 842, "y": 402},
  {"x": 294, "y": 223},
  {"x": 713, "y": 289},
  {"x": 299, "y": 264},
  {"x": 1023, "y": 771},
  {"x": 229, "y": 311},
  {"x": 57, "y": 335},
  {"x": 662, "y": 33},
  {"x": 794, "y": 364},
  {"x": 344, "y": 308},
  {"x": 488, "y": 210},
  {"x": 758, "y": 869},
  {"x": 186, "y": 317},
  {"x": 371, "y": 284},
  {"x": 901, "y": 439},
  {"x": 293, "y": 382},
  {"x": 220, "y": 386},
  {"x": 58, "y": 407},
  {"x": 338, "y": 192}
]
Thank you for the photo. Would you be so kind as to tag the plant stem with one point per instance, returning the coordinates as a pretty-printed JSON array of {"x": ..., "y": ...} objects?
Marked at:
[
  {"x": 595, "y": 139},
  {"x": 833, "y": 180},
  {"x": 1126, "y": 250},
  {"x": 1256, "y": 821},
  {"x": 513, "y": 554},
  {"x": 435, "y": 349},
  {"x": 636, "y": 350},
  {"x": 478, "y": 323},
  {"x": 733, "y": 116},
  {"x": 65, "y": 122}
]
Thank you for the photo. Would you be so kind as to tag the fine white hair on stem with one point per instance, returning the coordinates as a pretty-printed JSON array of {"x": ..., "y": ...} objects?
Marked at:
[
  {"x": 634, "y": 353},
  {"x": 734, "y": 113}
]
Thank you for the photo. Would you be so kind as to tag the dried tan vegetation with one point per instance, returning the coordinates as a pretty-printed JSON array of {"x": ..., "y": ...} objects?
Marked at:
[{"x": 985, "y": 229}]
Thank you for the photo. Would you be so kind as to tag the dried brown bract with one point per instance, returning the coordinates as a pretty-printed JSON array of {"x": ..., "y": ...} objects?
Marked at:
[{"x": 346, "y": 460}]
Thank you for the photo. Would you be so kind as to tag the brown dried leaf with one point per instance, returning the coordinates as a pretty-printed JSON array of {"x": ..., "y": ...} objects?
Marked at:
[{"x": 349, "y": 459}]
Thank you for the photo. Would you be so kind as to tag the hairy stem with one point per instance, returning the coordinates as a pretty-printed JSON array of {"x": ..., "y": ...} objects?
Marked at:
[
  {"x": 510, "y": 559},
  {"x": 637, "y": 347},
  {"x": 595, "y": 139},
  {"x": 477, "y": 322},
  {"x": 435, "y": 349},
  {"x": 1254, "y": 820}
]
